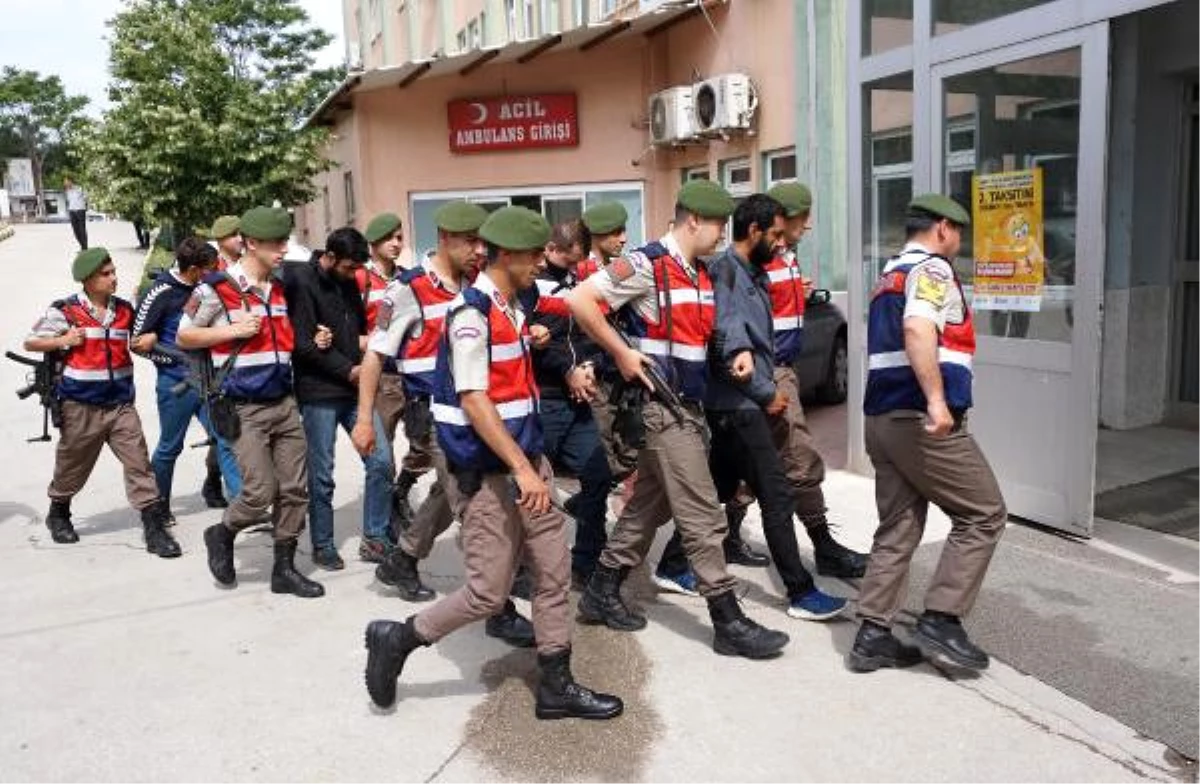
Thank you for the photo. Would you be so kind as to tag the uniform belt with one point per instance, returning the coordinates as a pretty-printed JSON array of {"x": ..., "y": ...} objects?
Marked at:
[{"x": 257, "y": 401}]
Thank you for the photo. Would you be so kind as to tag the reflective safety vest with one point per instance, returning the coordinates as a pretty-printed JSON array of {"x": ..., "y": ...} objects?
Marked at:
[
  {"x": 262, "y": 369},
  {"x": 587, "y": 268},
  {"x": 417, "y": 358},
  {"x": 678, "y": 342},
  {"x": 98, "y": 371},
  {"x": 787, "y": 307},
  {"x": 891, "y": 383},
  {"x": 511, "y": 387},
  {"x": 373, "y": 288}
]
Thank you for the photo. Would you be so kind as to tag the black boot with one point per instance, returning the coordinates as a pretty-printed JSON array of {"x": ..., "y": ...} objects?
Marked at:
[
  {"x": 218, "y": 540},
  {"x": 736, "y": 549},
  {"x": 601, "y": 602},
  {"x": 560, "y": 697},
  {"x": 211, "y": 490},
  {"x": 943, "y": 633},
  {"x": 510, "y": 626},
  {"x": 737, "y": 635},
  {"x": 58, "y": 520},
  {"x": 388, "y": 646},
  {"x": 154, "y": 523},
  {"x": 833, "y": 558},
  {"x": 875, "y": 646},
  {"x": 400, "y": 571},
  {"x": 402, "y": 511},
  {"x": 285, "y": 578}
]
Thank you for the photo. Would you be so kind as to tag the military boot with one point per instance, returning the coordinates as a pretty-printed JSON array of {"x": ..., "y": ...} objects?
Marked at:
[
  {"x": 737, "y": 635},
  {"x": 833, "y": 558},
  {"x": 601, "y": 602},
  {"x": 285, "y": 578},
  {"x": 154, "y": 525},
  {"x": 560, "y": 697},
  {"x": 402, "y": 511},
  {"x": 388, "y": 646},
  {"x": 58, "y": 520},
  {"x": 218, "y": 540},
  {"x": 510, "y": 626},
  {"x": 210, "y": 491},
  {"x": 400, "y": 571}
]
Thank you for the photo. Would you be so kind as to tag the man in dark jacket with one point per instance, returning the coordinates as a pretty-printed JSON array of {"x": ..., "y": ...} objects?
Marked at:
[
  {"x": 742, "y": 394},
  {"x": 565, "y": 371},
  {"x": 330, "y": 323}
]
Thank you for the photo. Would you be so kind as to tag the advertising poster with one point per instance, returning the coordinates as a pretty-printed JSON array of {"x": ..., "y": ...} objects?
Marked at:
[{"x": 1006, "y": 215}]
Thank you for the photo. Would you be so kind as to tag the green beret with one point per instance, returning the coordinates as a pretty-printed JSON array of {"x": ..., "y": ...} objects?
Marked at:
[
  {"x": 940, "y": 206},
  {"x": 795, "y": 197},
  {"x": 706, "y": 199},
  {"x": 87, "y": 262},
  {"x": 224, "y": 226},
  {"x": 516, "y": 228},
  {"x": 460, "y": 217},
  {"x": 266, "y": 223},
  {"x": 381, "y": 226},
  {"x": 605, "y": 217}
]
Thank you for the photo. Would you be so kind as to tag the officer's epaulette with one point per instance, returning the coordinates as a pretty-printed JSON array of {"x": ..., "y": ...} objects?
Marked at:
[
  {"x": 408, "y": 275},
  {"x": 654, "y": 250},
  {"x": 478, "y": 300}
]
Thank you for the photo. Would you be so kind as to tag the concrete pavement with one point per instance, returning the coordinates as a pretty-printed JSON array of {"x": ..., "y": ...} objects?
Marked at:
[{"x": 120, "y": 665}]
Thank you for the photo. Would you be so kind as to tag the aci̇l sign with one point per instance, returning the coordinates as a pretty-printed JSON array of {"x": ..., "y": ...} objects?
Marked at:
[{"x": 514, "y": 122}]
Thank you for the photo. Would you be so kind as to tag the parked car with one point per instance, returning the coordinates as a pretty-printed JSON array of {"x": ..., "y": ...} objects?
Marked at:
[{"x": 821, "y": 367}]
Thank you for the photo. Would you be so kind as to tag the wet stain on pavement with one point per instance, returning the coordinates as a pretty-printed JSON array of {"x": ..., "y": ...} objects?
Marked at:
[{"x": 504, "y": 735}]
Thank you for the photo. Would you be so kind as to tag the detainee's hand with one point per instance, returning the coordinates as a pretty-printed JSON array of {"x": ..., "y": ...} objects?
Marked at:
[
  {"x": 742, "y": 367},
  {"x": 632, "y": 364},
  {"x": 539, "y": 336},
  {"x": 778, "y": 405},
  {"x": 938, "y": 420},
  {"x": 363, "y": 437},
  {"x": 144, "y": 342},
  {"x": 581, "y": 383},
  {"x": 535, "y": 495},
  {"x": 323, "y": 337}
]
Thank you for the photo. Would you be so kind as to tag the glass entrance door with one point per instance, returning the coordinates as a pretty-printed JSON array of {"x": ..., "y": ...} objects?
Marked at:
[{"x": 1019, "y": 138}]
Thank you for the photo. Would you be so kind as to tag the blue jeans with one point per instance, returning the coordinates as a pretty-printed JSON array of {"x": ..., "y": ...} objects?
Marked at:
[
  {"x": 321, "y": 421},
  {"x": 572, "y": 440},
  {"x": 175, "y": 413}
]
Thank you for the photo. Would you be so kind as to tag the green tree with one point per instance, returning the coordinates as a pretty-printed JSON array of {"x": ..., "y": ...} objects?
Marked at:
[
  {"x": 208, "y": 103},
  {"x": 37, "y": 120}
]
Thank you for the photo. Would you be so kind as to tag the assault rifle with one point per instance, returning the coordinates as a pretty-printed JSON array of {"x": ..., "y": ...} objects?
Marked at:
[
  {"x": 660, "y": 389},
  {"x": 41, "y": 381},
  {"x": 199, "y": 376}
]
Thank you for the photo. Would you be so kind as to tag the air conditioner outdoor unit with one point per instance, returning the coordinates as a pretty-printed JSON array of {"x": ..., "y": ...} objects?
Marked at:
[
  {"x": 671, "y": 117},
  {"x": 724, "y": 102}
]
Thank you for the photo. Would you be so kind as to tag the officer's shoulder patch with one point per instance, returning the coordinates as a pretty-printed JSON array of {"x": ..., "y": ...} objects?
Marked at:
[
  {"x": 932, "y": 285},
  {"x": 383, "y": 314},
  {"x": 192, "y": 306},
  {"x": 621, "y": 269},
  {"x": 466, "y": 332}
]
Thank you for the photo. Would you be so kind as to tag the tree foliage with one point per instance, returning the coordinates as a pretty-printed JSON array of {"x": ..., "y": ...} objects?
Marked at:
[
  {"x": 209, "y": 99},
  {"x": 38, "y": 121}
]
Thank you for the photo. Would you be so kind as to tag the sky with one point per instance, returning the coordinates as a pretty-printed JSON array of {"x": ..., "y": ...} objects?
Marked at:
[{"x": 68, "y": 38}]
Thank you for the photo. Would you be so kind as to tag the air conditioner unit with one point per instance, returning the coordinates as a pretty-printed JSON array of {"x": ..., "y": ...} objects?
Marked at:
[
  {"x": 724, "y": 102},
  {"x": 671, "y": 117}
]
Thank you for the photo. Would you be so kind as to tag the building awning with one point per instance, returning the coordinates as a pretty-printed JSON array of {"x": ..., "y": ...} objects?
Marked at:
[{"x": 584, "y": 38}]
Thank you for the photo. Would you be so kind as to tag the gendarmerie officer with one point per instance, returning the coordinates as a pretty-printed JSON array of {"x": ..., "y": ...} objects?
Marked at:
[
  {"x": 669, "y": 301},
  {"x": 92, "y": 329},
  {"x": 486, "y": 409},
  {"x": 801, "y": 461},
  {"x": 385, "y": 233},
  {"x": 920, "y": 344},
  {"x": 241, "y": 317}
]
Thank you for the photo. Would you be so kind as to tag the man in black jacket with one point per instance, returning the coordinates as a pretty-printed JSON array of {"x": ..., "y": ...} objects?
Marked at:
[
  {"x": 566, "y": 374},
  {"x": 330, "y": 323}
]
